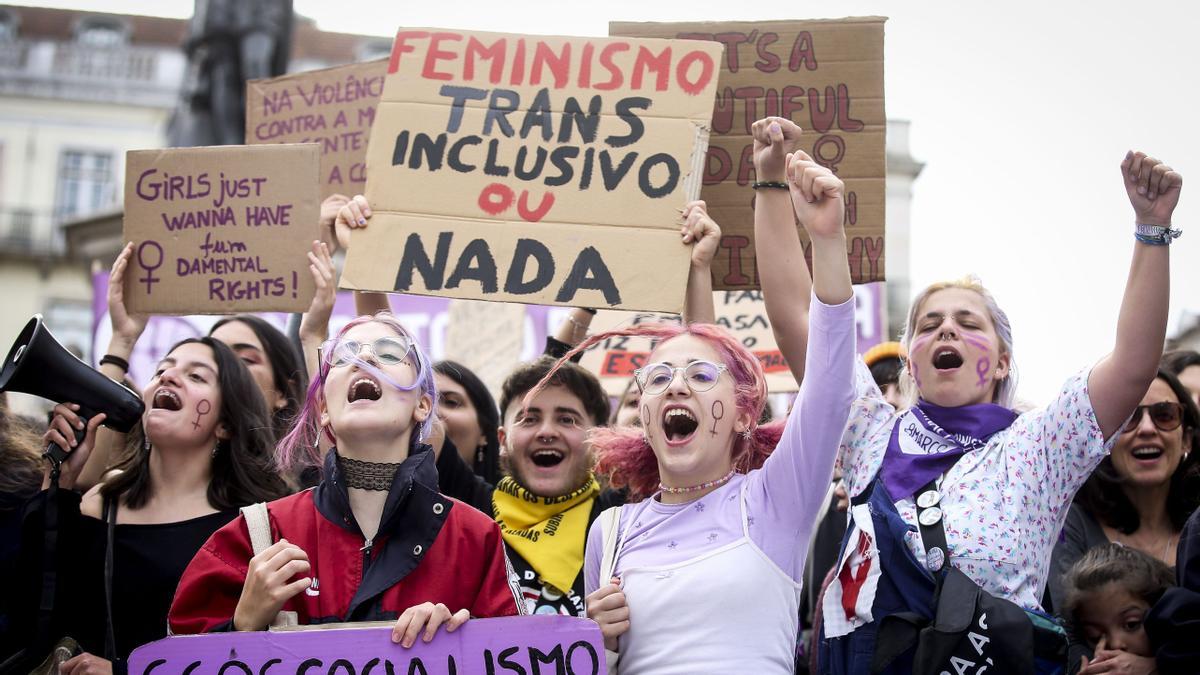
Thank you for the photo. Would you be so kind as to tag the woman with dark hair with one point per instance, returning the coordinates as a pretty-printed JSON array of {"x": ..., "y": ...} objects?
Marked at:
[
  {"x": 202, "y": 450},
  {"x": 272, "y": 360},
  {"x": 469, "y": 414},
  {"x": 1143, "y": 492},
  {"x": 1185, "y": 364}
]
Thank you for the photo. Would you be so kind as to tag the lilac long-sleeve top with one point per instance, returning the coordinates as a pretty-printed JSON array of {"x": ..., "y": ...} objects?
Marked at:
[{"x": 782, "y": 498}]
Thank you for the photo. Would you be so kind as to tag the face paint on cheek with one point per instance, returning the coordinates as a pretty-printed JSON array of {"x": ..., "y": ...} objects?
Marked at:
[
  {"x": 982, "y": 366},
  {"x": 718, "y": 413},
  {"x": 202, "y": 409},
  {"x": 980, "y": 343}
]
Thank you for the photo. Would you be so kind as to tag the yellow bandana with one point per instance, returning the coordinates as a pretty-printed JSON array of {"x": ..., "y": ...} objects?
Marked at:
[{"x": 548, "y": 532}]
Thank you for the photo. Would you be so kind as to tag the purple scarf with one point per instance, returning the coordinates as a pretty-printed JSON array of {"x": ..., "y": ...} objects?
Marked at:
[{"x": 928, "y": 439}]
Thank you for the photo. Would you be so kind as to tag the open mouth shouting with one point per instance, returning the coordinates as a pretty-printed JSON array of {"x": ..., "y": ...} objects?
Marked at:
[
  {"x": 679, "y": 425},
  {"x": 547, "y": 458},
  {"x": 364, "y": 388},
  {"x": 947, "y": 358},
  {"x": 165, "y": 399}
]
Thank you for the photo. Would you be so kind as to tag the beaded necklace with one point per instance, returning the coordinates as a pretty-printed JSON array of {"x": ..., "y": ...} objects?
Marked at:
[{"x": 697, "y": 488}]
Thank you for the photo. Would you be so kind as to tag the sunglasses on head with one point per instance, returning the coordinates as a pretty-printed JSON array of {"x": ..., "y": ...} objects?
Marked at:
[
  {"x": 388, "y": 351},
  {"x": 1167, "y": 416}
]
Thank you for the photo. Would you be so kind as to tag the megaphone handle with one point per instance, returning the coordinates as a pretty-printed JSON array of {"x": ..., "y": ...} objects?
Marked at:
[{"x": 57, "y": 455}]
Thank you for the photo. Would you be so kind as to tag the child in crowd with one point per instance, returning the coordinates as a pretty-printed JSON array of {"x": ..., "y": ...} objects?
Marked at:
[{"x": 1108, "y": 594}]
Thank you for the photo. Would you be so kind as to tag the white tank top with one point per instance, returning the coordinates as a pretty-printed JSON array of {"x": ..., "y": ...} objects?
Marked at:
[{"x": 731, "y": 610}]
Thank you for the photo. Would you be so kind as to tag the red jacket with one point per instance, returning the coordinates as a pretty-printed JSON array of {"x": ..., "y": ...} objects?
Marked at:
[{"x": 430, "y": 548}]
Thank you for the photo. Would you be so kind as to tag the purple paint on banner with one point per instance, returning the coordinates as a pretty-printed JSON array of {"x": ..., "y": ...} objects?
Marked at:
[
  {"x": 520, "y": 644},
  {"x": 149, "y": 279}
]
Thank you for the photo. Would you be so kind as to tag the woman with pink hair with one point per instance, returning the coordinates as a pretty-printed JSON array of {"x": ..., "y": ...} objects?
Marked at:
[
  {"x": 375, "y": 530},
  {"x": 706, "y": 573}
]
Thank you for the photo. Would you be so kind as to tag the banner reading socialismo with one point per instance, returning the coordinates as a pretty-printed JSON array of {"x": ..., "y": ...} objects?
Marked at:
[{"x": 534, "y": 169}]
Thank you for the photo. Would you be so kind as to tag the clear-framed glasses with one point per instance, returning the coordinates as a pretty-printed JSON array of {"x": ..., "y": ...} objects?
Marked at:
[
  {"x": 388, "y": 351},
  {"x": 699, "y": 376},
  {"x": 1167, "y": 416}
]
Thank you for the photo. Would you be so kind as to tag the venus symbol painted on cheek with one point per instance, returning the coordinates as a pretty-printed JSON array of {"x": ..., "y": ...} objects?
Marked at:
[
  {"x": 982, "y": 366},
  {"x": 202, "y": 409},
  {"x": 718, "y": 412}
]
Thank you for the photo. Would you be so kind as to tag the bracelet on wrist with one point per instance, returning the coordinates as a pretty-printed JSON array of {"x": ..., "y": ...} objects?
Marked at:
[
  {"x": 774, "y": 184},
  {"x": 589, "y": 310},
  {"x": 114, "y": 360},
  {"x": 1156, "y": 235}
]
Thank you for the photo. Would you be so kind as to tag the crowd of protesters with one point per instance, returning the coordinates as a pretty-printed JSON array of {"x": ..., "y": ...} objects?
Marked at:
[{"x": 907, "y": 514}]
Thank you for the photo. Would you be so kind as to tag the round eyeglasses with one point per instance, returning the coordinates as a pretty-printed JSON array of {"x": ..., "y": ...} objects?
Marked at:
[
  {"x": 1167, "y": 416},
  {"x": 388, "y": 351},
  {"x": 699, "y": 376}
]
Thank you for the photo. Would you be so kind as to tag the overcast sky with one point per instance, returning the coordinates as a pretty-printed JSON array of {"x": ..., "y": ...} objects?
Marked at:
[{"x": 1021, "y": 112}]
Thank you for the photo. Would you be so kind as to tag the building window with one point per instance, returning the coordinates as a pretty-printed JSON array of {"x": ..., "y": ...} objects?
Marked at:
[
  {"x": 85, "y": 184},
  {"x": 97, "y": 31},
  {"x": 8, "y": 25}
]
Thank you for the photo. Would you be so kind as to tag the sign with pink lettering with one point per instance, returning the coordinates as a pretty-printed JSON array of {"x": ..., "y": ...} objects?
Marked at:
[
  {"x": 222, "y": 229},
  {"x": 333, "y": 107},
  {"x": 827, "y": 77},
  {"x": 515, "y": 644}
]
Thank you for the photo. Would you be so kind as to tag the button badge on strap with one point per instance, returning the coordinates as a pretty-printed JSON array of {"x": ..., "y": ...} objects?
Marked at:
[
  {"x": 929, "y": 498},
  {"x": 930, "y": 517}
]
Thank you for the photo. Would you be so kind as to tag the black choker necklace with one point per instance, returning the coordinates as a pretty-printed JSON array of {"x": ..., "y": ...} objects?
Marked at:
[{"x": 367, "y": 475}]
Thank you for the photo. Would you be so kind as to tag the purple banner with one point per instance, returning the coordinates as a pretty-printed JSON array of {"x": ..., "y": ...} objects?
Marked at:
[
  {"x": 529, "y": 645},
  {"x": 426, "y": 316}
]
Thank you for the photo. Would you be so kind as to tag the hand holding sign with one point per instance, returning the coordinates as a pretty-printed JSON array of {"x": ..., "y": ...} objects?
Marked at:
[
  {"x": 329, "y": 210},
  {"x": 816, "y": 196},
  {"x": 774, "y": 140},
  {"x": 351, "y": 216},
  {"x": 127, "y": 326},
  {"x": 269, "y": 586},
  {"x": 428, "y": 616}
]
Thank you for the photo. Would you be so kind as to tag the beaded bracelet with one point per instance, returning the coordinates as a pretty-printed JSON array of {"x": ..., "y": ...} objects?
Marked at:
[{"x": 1156, "y": 235}]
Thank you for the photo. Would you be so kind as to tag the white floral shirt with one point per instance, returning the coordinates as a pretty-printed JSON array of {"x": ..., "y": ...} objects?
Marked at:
[{"x": 1004, "y": 504}]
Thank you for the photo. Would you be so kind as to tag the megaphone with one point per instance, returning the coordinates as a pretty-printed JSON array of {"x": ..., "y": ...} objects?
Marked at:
[{"x": 37, "y": 364}]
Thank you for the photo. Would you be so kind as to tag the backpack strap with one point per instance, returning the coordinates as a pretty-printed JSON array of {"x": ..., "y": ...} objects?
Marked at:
[
  {"x": 258, "y": 521},
  {"x": 610, "y": 522}
]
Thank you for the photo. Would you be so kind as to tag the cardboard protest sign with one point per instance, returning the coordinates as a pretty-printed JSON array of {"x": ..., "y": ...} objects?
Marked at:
[
  {"x": 742, "y": 313},
  {"x": 519, "y": 644},
  {"x": 333, "y": 107},
  {"x": 532, "y": 169},
  {"x": 486, "y": 337},
  {"x": 220, "y": 230},
  {"x": 827, "y": 77}
]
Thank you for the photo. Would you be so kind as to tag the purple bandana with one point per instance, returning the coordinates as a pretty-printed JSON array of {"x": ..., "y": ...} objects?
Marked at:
[{"x": 928, "y": 439}]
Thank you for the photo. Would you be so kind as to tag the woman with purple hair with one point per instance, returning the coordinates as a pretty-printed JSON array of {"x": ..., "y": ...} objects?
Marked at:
[
  {"x": 375, "y": 528},
  {"x": 706, "y": 572}
]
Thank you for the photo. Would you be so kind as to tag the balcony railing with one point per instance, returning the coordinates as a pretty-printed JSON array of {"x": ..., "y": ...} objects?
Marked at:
[{"x": 30, "y": 232}]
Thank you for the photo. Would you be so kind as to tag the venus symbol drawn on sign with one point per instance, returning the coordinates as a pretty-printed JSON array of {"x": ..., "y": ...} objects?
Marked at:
[
  {"x": 202, "y": 409},
  {"x": 718, "y": 412},
  {"x": 149, "y": 279}
]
